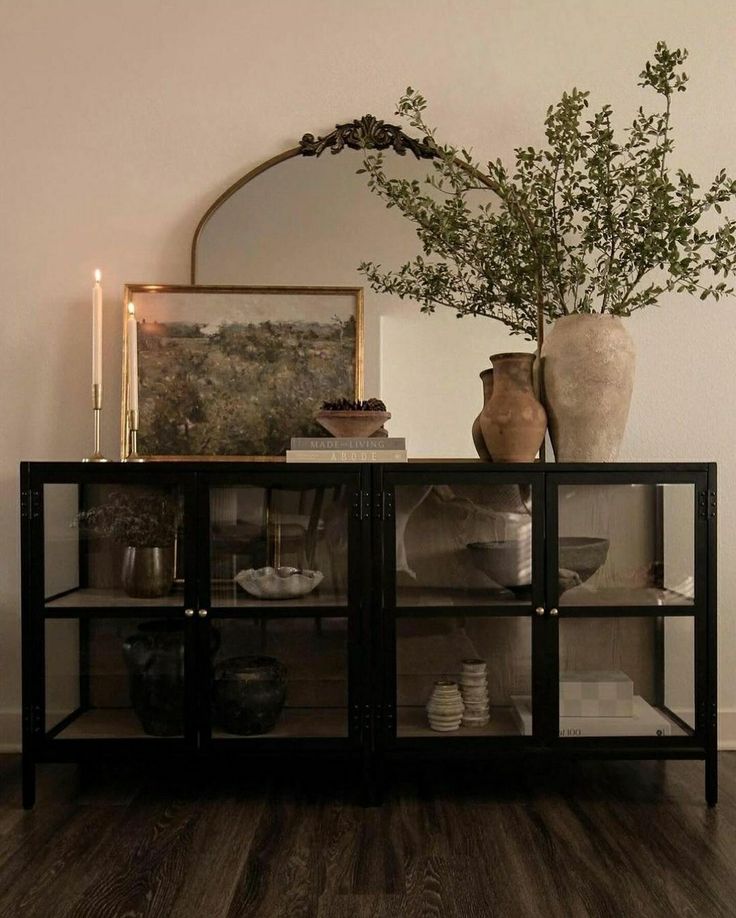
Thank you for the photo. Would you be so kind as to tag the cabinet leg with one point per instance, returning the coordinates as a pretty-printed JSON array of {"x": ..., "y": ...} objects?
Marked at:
[
  {"x": 711, "y": 778},
  {"x": 29, "y": 782}
]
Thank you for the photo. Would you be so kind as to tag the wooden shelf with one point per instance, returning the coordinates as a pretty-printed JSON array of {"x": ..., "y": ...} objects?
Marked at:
[
  {"x": 232, "y": 597},
  {"x": 412, "y": 722},
  {"x": 443, "y": 596},
  {"x": 107, "y": 723},
  {"x": 319, "y": 723},
  {"x": 88, "y": 598}
]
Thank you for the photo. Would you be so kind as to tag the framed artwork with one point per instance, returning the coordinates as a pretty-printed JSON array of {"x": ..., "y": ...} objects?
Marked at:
[{"x": 235, "y": 372}]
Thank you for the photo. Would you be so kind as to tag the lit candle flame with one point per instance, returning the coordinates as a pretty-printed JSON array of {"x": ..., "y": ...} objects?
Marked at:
[
  {"x": 131, "y": 309},
  {"x": 98, "y": 275}
]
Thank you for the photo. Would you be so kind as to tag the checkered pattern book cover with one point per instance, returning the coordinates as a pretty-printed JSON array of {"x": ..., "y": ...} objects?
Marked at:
[{"x": 596, "y": 694}]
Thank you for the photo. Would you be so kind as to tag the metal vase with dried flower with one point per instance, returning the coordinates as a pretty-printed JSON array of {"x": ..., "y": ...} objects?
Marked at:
[{"x": 145, "y": 522}]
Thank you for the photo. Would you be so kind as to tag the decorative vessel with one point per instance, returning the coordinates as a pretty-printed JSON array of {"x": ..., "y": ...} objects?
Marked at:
[
  {"x": 514, "y": 421},
  {"x": 353, "y": 424},
  {"x": 154, "y": 656},
  {"x": 588, "y": 364},
  {"x": 474, "y": 692},
  {"x": 248, "y": 694},
  {"x": 278, "y": 582},
  {"x": 148, "y": 573},
  {"x": 583, "y": 555},
  {"x": 445, "y": 706},
  {"x": 486, "y": 377},
  {"x": 155, "y": 661}
]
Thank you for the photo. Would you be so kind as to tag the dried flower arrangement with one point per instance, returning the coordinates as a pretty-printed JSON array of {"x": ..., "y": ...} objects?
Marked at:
[{"x": 141, "y": 519}]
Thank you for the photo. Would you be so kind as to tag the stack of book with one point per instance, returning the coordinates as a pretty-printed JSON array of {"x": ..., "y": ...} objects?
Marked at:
[
  {"x": 598, "y": 704},
  {"x": 347, "y": 449}
]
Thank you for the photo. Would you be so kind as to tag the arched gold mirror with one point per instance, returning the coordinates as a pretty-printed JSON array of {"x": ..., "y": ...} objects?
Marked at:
[{"x": 306, "y": 218}]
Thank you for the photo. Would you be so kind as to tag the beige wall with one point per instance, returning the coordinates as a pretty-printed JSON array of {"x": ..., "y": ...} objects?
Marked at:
[{"x": 122, "y": 121}]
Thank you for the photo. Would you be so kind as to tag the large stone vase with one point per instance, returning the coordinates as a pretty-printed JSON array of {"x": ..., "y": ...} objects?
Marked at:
[
  {"x": 588, "y": 370},
  {"x": 486, "y": 378},
  {"x": 513, "y": 421}
]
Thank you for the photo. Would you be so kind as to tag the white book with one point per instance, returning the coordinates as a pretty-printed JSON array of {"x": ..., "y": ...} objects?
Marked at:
[
  {"x": 332, "y": 443},
  {"x": 645, "y": 721},
  {"x": 346, "y": 455}
]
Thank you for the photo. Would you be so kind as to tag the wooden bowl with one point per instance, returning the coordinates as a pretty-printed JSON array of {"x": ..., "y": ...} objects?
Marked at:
[{"x": 352, "y": 424}]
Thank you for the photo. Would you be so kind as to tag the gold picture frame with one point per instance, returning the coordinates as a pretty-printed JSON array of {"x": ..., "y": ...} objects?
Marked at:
[{"x": 185, "y": 336}]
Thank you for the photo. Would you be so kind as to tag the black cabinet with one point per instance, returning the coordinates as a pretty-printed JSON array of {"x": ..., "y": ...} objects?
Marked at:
[{"x": 587, "y": 590}]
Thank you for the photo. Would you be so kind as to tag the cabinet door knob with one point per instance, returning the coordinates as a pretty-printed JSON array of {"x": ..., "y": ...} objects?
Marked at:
[
  {"x": 539, "y": 610},
  {"x": 553, "y": 612},
  {"x": 202, "y": 613},
  {"x": 189, "y": 613}
]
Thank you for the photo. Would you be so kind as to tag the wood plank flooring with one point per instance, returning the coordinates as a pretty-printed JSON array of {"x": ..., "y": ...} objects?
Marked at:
[{"x": 586, "y": 840}]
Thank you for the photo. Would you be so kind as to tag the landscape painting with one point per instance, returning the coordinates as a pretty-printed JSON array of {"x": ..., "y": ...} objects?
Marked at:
[{"x": 238, "y": 371}]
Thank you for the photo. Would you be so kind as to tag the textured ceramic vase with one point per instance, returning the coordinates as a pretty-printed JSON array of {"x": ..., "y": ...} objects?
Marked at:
[
  {"x": 248, "y": 694},
  {"x": 148, "y": 573},
  {"x": 513, "y": 422},
  {"x": 445, "y": 706},
  {"x": 480, "y": 444},
  {"x": 588, "y": 367},
  {"x": 155, "y": 659}
]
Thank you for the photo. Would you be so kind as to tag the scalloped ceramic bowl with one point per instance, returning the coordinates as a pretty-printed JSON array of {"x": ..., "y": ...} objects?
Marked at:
[{"x": 278, "y": 582}]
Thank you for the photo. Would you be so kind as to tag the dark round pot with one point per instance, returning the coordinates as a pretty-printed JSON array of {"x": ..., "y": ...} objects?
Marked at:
[
  {"x": 248, "y": 694},
  {"x": 155, "y": 659}
]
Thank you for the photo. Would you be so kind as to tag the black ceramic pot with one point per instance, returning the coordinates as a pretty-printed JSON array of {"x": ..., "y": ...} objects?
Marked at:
[
  {"x": 155, "y": 659},
  {"x": 248, "y": 694}
]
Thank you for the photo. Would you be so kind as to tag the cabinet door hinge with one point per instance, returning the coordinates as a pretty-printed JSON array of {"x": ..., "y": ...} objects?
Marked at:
[
  {"x": 32, "y": 719},
  {"x": 383, "y": 507},
  {"x": 30, "y": 505},
  {"x": 361, "y": 503},
  {"x": 707, "y": 505}
]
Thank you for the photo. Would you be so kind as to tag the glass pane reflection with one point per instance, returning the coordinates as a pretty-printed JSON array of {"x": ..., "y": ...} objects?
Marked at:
[
  {"x": 463, "y": 544},
  {"x": 627, "y": 544}
]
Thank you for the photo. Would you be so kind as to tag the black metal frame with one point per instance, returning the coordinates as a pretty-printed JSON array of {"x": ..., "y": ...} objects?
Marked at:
[{"x": 371, "y": 612}]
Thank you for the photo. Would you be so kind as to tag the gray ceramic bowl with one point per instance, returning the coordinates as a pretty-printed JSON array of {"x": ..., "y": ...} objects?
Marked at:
[{"x": 582, "y": 554}]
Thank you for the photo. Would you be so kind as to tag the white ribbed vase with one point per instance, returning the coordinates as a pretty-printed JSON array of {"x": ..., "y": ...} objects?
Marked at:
[
  {"x": 588, "y": 366},
  {"x": 445, "y": 706}
]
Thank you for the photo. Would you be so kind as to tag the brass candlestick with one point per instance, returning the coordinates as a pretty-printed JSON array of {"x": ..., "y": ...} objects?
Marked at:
[
  {"x": 133, "y": 438},
  {"x": 97, "y": 409}
]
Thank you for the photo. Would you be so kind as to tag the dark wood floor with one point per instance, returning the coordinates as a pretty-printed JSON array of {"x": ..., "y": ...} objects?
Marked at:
[{"x": 585, "y": 840}]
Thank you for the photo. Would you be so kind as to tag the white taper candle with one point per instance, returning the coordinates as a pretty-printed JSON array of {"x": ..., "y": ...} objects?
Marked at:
[
  {"x": 97, "y": 330},
  {"x": 132, "y": 345}
]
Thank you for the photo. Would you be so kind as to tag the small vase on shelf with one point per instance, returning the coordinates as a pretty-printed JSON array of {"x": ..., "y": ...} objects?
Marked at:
[
  {"x": 474, "y": 692},
  {"x": 445, "y": 706}
]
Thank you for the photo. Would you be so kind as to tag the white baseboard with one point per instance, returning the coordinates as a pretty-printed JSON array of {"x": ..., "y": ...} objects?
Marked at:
[{"x": 10, "y": 730}]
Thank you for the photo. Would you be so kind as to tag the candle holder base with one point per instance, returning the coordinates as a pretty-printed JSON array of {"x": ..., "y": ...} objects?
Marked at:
[
  {"x": 96, "y": 457},
  {"x": 135, "y": 457}
]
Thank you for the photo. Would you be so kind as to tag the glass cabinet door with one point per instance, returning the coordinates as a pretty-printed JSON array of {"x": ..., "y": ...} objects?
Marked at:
[
  {"x": 463, "y": 540},
  {"x": 627, "y": 676},
  {"x": 278, "y": 678},
  {"x": 108, "y": 544},
  {"x": 279, "y": 544},
  {"x": 463, "y": 573},
  {"x": 463, "y": 677},
  {"x": 285, "y": 573},
  {"x": 118, "y": 678},
  {"x": 623, "y": 544}
]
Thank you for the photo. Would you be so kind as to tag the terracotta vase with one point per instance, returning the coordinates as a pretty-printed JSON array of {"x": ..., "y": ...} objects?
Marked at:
[
  {"x": 514, "y": 421},
  {"x": 480, "y": 444},
  {"x": 588, "y": 366}
]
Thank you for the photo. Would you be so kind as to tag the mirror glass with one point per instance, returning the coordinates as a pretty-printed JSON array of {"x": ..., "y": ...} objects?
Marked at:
[{"x": 310, "y": 221}]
